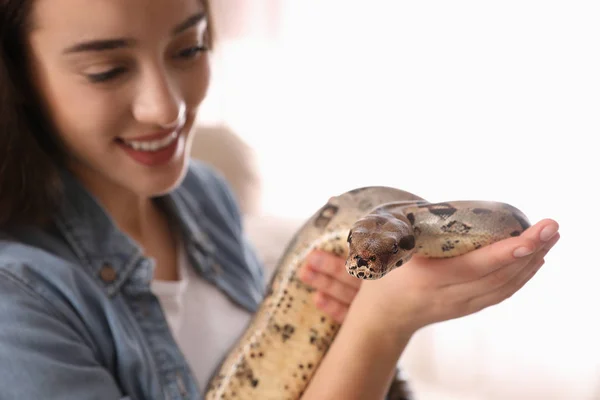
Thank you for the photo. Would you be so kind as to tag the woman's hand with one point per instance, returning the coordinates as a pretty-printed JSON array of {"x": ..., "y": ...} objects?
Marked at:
[
  {"x": 335, "y": 288},
  {"x": 439, "y": 289},
  {"x": 425, "y": 291},
  {"x": 380, "y": 316}
]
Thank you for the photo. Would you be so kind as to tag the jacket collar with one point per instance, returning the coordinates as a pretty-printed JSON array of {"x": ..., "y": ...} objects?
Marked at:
[{"x": 109, "y": 254}]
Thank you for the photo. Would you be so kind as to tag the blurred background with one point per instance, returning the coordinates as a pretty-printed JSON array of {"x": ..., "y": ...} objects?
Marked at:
[{"x": 449, "y": 100}]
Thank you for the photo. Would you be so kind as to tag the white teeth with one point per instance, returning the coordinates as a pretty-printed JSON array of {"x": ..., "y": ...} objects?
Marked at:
[{"x": 152, "y": 145}]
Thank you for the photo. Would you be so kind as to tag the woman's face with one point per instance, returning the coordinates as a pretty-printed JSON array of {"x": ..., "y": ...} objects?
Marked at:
[{"x": 122, "y": 81}]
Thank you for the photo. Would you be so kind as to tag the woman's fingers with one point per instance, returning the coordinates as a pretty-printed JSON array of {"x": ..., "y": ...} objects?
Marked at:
[
  {"x": 491, "y": 297},
  {"x": 327, "y": 274},
  {"x": 331, "y": 306},
  {"x": 332, "y": 265},
  {"x": 491, "y": 259}
]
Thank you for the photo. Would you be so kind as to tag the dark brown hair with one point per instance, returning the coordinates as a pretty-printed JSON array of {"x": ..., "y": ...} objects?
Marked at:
[{"x": 30, "y": 156}]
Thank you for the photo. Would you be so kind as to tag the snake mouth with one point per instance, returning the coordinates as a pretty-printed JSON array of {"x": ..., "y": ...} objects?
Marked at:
[{"x": 363, "y": 272}]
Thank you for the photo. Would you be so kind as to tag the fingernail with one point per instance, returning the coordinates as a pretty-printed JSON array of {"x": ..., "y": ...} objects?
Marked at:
[
  {"x": 522, "y": 252},
  {"x": 547, "y": 233}
]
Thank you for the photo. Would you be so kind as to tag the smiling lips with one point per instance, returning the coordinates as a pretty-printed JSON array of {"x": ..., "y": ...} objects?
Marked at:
[
  {"x": 152, "y": 145},
  {"x": 152, "y": 150}
]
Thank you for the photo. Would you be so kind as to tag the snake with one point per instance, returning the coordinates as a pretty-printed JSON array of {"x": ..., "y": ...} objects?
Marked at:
[{"x": 376, "y": 229}]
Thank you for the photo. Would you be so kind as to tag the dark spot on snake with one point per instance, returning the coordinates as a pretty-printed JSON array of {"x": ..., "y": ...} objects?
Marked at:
[
  {"x": 371, "y": 269},
  {"x": 447, "y": 246},
  {"x": 254, "y": 382},
  {"x": 456, "y": 226},
  {"x": 361, "y": 274},
  {"x": 522, "y": 221},
  {"x": 407, "y": 242},
  {"x": 482, "y": 211},
  {"x": 515, "y": 233},
  {"x": 304, "y": 377},
  {"x": 288, "y": 331},
  {"x": 411, "y": 218},
  {"x": 309, "y": 365},
  {"x": 443, "y": 210},
  {"x": 399, "y": 263}
]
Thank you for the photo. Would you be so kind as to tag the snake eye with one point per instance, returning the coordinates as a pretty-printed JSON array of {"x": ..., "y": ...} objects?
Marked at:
[
  {"x": 395, "y": 248},
  {"x": 372, "y": 258},
  {"x": 349, "y": 237}
]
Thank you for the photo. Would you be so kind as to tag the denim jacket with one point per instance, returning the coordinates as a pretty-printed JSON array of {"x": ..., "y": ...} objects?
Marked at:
[{"x": 77, "y": 317}]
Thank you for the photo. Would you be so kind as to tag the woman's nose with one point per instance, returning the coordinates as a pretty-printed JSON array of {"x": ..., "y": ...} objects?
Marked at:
[{"x": 158, "y": 102}]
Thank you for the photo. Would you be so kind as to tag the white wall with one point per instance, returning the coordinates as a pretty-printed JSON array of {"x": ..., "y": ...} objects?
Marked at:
[{"x": 449, "y": 100}]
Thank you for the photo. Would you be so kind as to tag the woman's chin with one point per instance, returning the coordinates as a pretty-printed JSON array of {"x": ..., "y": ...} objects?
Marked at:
[{"x": 161, "y": 183}]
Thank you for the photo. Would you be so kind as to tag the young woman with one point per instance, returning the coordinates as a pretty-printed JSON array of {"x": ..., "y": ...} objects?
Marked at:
[{"x": 124, "y": 270}]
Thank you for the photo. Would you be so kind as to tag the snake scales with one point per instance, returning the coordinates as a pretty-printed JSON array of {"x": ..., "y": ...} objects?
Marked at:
[{"x": 376, "y": 229}]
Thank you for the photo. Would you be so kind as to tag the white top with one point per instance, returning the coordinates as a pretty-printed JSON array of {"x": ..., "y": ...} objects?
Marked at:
[{"x": 204, "y": 322}]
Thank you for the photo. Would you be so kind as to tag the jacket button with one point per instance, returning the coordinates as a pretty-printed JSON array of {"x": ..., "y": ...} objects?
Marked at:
[{"x": 108, "y": 273}]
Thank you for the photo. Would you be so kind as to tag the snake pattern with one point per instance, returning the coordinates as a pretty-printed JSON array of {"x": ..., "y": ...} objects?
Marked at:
[{"x": 376, "y": 229}]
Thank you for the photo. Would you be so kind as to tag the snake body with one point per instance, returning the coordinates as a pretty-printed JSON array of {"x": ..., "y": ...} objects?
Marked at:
[{"x": 376, "y": 229}]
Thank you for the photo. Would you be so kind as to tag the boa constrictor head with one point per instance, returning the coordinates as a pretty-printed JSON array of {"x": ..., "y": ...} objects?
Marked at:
[{"x": 378, "y": 243}]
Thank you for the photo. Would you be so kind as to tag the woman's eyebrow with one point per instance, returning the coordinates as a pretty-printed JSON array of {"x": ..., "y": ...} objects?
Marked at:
[
  {"x": 189, "y": 23},
  {"x": 112, "y": 44},
  {"x": 99, "y": 45}
]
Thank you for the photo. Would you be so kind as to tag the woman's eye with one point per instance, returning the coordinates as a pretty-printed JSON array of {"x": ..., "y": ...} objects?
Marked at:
[
  {"x": 105, "y": 76},
  {"x": 191, "y": 52}
]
